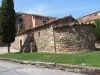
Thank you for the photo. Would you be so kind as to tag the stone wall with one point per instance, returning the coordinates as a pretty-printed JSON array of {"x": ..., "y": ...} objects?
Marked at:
[
  {"x": 44, "y": 38},
  {"x": 22, "y": 40},
  {"x": 16, "y": 43},
  {"x": 77, "y": 38},
  {"x": 61, "y": 35}
]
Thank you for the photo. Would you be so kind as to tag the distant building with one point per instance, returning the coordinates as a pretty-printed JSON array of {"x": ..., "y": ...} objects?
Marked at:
[
  {"x": 26, "y": 21},
  {"x": 89, "y": 17}
]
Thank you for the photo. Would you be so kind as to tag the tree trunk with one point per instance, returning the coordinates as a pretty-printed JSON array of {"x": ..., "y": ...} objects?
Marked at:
[{"x": 8, "y": 47}]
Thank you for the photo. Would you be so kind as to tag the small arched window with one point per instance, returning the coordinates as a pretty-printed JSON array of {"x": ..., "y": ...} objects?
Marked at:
[{"x": 38, "y": 34}]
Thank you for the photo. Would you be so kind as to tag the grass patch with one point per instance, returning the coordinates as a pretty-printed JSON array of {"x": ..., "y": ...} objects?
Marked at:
[{"x": 88, "y": 58}]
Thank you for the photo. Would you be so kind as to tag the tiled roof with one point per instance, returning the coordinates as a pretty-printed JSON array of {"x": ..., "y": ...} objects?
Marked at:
[
  {"x": 33, "y": 14},
  {"x": 89, "y": 14},
  {"x": 23, "y": 32},
  {"x": 60, "y": 22},
  {"x": 75, "y": 24}
]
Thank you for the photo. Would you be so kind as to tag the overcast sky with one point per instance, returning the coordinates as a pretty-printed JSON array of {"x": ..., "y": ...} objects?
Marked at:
[{"x": 57, "y": 8}]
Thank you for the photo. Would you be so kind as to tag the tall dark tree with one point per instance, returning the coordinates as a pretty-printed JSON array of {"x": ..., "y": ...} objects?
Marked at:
[
  {"x": 1, "y": 29},
  {"x": 8, "y": 22}
]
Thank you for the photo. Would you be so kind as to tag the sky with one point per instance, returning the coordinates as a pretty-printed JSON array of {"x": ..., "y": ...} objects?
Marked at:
[{"x": 57, "y": 8}]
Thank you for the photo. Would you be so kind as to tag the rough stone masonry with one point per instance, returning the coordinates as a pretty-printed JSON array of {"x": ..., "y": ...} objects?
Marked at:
[{"x": 64, "y": 35}]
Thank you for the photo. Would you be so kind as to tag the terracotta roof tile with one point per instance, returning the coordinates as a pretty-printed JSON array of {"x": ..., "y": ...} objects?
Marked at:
[{"x": 60, "y": 22}]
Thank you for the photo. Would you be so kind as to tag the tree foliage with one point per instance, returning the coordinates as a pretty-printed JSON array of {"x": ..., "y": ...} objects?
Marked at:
[
  {"x": 8, "y": 21},
  {"x": 97, "y": 29},
  {"x": 1, "y": 29}
]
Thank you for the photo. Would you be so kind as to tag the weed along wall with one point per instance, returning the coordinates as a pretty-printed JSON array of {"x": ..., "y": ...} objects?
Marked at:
[{"x": 76, "y": 38}]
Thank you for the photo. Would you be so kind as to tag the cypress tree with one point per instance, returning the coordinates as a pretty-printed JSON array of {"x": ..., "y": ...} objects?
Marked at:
[
  {"x": 8, "y": 22},
  {"x": 1, "y": 29}
]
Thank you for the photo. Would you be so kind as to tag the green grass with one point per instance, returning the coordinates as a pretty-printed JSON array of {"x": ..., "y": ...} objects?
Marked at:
[{"x": 88, "y": 58}]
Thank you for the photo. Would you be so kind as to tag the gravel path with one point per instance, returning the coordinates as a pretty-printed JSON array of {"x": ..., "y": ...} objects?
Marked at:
[
  {"x": 5, "y": 50},
  {"x": 97, "y": 45}
]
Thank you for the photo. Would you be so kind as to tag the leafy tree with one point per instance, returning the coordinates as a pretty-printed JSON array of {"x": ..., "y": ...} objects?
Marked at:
[
  {"x": 97, "y": 29},
  {"x": 8, "y": 22}
]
